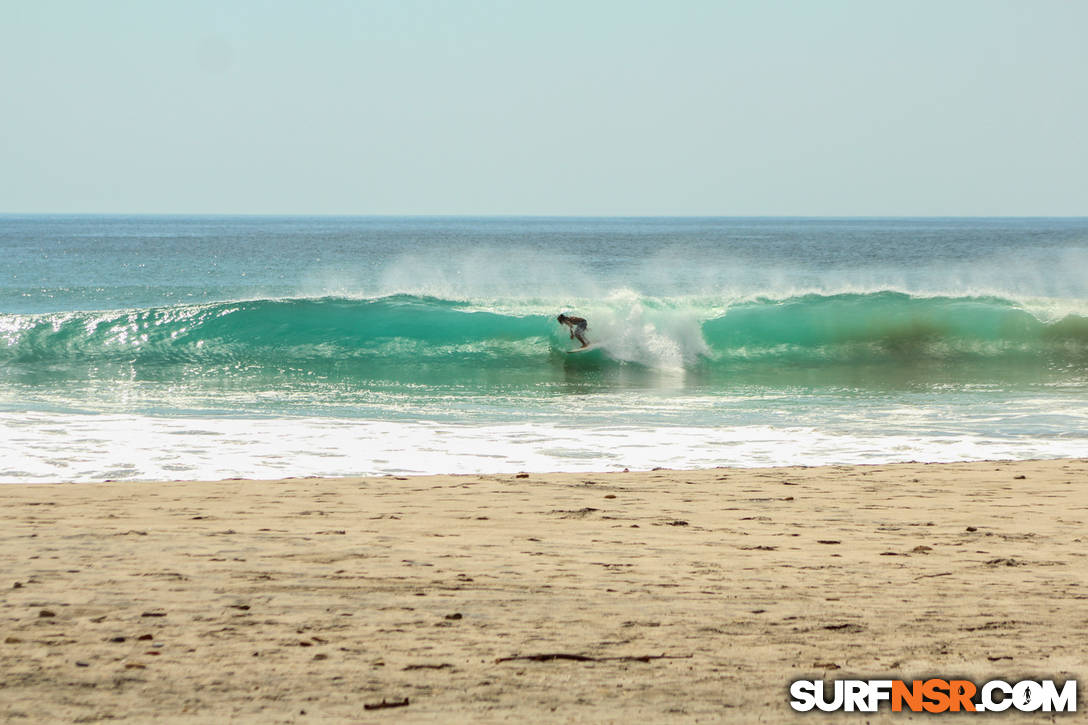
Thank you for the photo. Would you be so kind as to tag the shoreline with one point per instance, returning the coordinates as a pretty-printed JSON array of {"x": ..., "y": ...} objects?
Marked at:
[
  {"x": 306, "y": 599},
  {"x": 407, "y": 475}
]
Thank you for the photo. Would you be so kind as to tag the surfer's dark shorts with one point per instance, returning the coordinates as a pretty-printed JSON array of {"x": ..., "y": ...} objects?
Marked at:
[{"x": 581, "y": 327}]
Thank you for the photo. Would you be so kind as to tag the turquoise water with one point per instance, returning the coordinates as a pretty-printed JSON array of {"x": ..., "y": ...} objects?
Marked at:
[{"x": 167, "y": 347}]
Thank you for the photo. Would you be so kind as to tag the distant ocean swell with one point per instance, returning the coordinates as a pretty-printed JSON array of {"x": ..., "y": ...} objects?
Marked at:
[{"x": 653, "y": 333}]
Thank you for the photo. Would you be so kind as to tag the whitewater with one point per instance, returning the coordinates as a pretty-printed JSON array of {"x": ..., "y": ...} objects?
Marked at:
[{"x": 213, "y": 347}]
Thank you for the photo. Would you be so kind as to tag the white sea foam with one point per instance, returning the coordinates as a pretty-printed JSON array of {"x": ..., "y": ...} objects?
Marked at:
[
  {"x": 660, "y": 338},
  {"x": 648, "y": 289},
  {"x": 49, "y": 447}
]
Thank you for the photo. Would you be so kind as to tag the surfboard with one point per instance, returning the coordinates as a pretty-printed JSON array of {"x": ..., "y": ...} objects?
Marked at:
[{"x": 587, "y": 348}]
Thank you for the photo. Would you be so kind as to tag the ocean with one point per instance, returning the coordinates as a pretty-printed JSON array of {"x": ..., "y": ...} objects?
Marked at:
[{"x": 180, "y": 347}]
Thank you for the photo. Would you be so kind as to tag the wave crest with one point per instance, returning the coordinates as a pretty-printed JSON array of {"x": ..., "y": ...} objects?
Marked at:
[{"x": 407, "y": 330}]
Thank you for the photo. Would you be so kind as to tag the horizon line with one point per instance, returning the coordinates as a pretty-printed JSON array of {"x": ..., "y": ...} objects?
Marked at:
[{"x": 464, "y": 215}]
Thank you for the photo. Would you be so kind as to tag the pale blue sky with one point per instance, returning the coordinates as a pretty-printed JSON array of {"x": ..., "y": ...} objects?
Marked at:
[{"x": 822, "y": 107}]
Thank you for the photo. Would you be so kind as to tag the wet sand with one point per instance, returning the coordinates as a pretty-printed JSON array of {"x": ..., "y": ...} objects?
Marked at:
[{"x": 671, "y": 596}]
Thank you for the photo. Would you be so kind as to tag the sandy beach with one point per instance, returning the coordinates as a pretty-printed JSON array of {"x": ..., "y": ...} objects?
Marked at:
[{"x": 686, "y": 596}]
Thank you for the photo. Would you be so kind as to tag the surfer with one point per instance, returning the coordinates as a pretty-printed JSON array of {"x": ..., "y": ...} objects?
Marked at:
[{"x": 577, "y": 327}]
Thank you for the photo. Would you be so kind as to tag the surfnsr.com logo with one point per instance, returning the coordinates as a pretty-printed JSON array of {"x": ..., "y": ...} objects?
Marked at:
[{"x": 934, "y": 695}]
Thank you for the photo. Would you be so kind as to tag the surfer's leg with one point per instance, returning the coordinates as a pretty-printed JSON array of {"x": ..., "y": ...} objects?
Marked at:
[{"x": 580, "y": 333}]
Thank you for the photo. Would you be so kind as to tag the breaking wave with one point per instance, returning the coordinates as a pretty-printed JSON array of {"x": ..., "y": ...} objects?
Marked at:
[{"x": 403, "y": 332}]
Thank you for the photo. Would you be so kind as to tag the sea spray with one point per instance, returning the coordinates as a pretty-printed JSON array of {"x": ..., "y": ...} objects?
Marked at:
[
  {"x": 158, "y": 347},
  {"x": 405, "y": 332}
]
